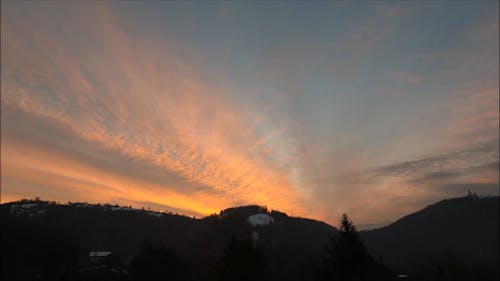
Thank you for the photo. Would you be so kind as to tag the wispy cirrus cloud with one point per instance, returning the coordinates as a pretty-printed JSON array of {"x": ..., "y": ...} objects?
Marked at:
[
  {"x": 444, "y": 164},
  {"x": 191, "y": 109},
  {"x": 149, "y": 104}
]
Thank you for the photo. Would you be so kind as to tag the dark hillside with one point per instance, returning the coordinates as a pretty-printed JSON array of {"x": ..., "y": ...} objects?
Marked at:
[
  {"x": 452, "y": 239},
  {"x": 32, "y": 234},
  {"x": 450, "y": 233}
]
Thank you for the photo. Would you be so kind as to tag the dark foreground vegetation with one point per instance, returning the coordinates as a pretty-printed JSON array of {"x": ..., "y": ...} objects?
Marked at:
[{"x": 454, "y": 239}]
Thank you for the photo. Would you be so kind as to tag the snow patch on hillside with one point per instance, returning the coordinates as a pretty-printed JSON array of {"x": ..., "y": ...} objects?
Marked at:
[{"x": 260, "y": 219}]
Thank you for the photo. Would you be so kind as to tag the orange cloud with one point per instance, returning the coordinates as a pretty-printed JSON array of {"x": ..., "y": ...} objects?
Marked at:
[
  {"x": 148, "y": 103},
  {"x": 70, "y": 179}
]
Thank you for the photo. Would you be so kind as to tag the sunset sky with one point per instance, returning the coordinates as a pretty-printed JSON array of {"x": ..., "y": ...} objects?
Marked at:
[{"x": 375, "y": 109}]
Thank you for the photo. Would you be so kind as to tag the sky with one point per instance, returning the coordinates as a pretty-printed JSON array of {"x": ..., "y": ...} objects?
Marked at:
[{"x": 374, "y": 109}]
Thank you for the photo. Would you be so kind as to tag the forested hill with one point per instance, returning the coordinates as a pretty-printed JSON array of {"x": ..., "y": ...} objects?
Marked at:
[
  {"x": 453, "y": 234},
  {"x": 33, "y": 232},
  {"x": 450, "y": 240}
]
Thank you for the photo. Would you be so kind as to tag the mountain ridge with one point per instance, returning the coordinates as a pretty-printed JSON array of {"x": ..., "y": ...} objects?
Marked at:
[
  {"x": 455, "y": 232},
  {"x": 288, "y": 242}
]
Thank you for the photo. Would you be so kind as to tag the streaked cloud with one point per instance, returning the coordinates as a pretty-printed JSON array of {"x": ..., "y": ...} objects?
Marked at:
[
  {"x": 137, "y": 99},
  {"x": 364, "y": 109},
  {"x": 456, "y": 161}
]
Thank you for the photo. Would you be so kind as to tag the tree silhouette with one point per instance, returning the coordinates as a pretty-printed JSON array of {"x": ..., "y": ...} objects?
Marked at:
[
  {"x": 158, "y": 263},
  {"x": 346, "y": 258},
  {"x": 241, "y": 261}
]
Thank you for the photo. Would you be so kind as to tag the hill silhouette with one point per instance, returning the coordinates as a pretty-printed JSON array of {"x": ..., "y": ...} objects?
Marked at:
[
  {"x": 459, "y": 235},
  {"x": 29, "y": 234},
  {"x": 46, "y": 240}
]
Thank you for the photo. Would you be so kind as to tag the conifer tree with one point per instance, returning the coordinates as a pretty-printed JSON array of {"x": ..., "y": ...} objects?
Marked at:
[
  {"x": 242, "y": 261},
  {"x": 346, "y": 258}
]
